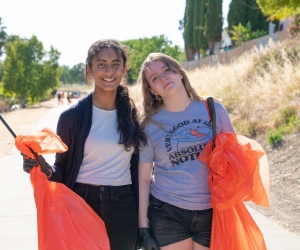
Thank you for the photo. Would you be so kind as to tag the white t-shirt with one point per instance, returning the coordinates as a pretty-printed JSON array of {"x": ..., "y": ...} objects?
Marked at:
[{"x": 105, "y": 161}]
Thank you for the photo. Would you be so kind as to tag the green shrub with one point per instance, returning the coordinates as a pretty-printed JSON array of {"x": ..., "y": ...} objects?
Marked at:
[{"x": 274, "y": 138}]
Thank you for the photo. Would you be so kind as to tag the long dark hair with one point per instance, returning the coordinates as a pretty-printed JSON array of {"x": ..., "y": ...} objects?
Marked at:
[
  {"x": 129, "y": 128},
  {"x": 131, "y": 132}
]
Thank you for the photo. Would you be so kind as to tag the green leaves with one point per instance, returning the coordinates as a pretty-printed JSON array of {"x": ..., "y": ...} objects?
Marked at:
[
  {"x": 29, "y": 71},
  {"x": 140, "y": 48},
  {"x": 213, "y": 23},
  {"x": 241, "y": 34},
  {"x": 244, "y": 11},
  {"x": 279, "y": 9}
]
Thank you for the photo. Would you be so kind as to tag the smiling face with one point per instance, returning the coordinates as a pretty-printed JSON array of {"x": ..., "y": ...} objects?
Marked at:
[
  {"x": 107, "y": 70},
  {"x": 162, "y": 79}
]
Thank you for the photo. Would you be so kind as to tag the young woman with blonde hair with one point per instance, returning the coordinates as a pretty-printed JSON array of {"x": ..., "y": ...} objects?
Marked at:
[{"x": 174, "y": 206}]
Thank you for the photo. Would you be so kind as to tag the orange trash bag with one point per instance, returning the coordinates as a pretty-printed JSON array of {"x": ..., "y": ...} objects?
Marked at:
[
  {"x": 65, "y": 220},
  {"x": 238, "y": 172}
]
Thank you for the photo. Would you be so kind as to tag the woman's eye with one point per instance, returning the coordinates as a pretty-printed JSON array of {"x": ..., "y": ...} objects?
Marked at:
[
  {"x": 101, "y": 65},
  {"x": 154, "y": 79}
]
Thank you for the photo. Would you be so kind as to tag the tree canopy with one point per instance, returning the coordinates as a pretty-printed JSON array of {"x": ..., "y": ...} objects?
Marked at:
[
  {"x": 213, "y": 23},
  {"x": 201, "y": 25},
  {"x": 188, "y": 33},
  {"x": 75, "y": 75},
  {"x": 279, "y": 9},
  {"x": 3, "y": 37},
  {"x": 29, "y": 71},
  {"x": 244, "y": 11},
  {"x": 140, "y": 48}
]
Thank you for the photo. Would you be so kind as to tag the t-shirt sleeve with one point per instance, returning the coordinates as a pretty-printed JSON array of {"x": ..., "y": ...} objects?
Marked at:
[
  {"x": 224, "y": 123},
  {"x": 146, "y": 153}
]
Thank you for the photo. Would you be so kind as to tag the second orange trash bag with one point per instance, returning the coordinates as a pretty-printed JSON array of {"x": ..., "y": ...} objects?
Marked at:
[
  {"x": 238, "y": 172},
  {"x": 65, "y": 220}
]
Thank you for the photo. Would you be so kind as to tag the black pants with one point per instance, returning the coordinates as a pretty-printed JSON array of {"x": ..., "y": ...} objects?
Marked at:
[{"x": 116, "y": 207}]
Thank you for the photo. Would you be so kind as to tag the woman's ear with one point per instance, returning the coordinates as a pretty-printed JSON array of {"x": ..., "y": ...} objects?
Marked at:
[
  {"x": 88, "y": 69},
  {"x": 125, "y": 69},
  {"x": 152, "y": 91}
]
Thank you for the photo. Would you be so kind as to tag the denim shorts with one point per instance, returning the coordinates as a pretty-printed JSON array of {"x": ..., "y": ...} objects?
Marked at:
[{"x": 170, "y": 224}]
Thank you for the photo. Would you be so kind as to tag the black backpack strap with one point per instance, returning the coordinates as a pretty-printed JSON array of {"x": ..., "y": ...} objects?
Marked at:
[{"x": 212, "y": 115}]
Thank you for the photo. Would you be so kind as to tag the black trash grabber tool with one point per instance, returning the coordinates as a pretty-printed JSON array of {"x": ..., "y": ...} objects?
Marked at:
[
  {"x": 45, "y": 167},
  {"x": 8, "y": 127}
]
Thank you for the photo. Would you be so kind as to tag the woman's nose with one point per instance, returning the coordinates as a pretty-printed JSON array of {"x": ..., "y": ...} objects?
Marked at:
[
  {"x": 110, "y": 69},
  {"x": 163, "y": 76}
]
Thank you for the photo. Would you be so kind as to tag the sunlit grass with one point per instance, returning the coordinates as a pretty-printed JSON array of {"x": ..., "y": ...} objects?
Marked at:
[{"x": 261, "y": 89}]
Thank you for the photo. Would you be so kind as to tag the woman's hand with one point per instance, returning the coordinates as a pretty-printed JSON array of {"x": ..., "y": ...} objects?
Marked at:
[
  {"x": 146, "y": 239},
  {"x": 29, "y": 163}
]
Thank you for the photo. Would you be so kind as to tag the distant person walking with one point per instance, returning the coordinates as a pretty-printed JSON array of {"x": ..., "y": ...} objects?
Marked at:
[
  {"x": 69, "y": 98},
  {"x": 62, "y": 97},
  {"x": 58, "y": 97}
]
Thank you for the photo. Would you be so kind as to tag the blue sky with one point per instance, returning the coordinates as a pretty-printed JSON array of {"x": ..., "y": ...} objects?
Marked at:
[{"x": 72, "y": 26}]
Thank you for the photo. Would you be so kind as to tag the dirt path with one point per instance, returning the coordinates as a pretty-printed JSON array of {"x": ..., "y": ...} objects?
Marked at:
[
  {"x": 284, "y": 163},
  {"x": 21, "y": 122}
]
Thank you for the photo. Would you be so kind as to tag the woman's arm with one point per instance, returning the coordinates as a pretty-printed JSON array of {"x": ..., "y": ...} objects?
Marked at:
[
  {"x": 64, "y": 131},
  {"x": 145, "y": 179}
]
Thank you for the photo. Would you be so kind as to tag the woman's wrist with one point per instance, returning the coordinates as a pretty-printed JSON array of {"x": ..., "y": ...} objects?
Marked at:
[{"x": 143, "y": 225}]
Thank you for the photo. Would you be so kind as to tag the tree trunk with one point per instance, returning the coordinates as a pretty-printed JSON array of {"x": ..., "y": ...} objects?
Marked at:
[
  {"x": 211, "y": 46},
  {"x": 23, "y": 101},
  {"x": 189, "y": 54}
]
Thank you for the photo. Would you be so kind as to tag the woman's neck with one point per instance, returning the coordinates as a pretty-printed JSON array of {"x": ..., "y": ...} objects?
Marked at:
[
  {"x": 105, "y": 102},
  {"x": 177, "y": 103}
]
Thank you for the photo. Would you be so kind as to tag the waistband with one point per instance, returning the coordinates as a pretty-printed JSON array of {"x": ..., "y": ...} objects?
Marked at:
[{"x": 101, "y": 188}]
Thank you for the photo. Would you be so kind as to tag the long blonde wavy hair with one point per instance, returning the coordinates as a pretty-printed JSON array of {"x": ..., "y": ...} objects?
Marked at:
[{"x": 152, "y": 103}]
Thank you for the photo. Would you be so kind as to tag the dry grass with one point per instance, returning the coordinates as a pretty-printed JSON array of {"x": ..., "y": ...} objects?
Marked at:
[{"x": 256, "y": 88}]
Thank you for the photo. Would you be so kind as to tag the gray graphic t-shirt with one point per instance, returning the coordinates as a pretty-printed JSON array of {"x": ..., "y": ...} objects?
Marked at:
[{"x": 175, "y": 139}]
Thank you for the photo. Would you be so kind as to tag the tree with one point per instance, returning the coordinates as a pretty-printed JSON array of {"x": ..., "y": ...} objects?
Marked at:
[
  {"x": 77, "y": 73},
  {"x": 279, "y": 9},
  {"x": 65, "y": 76},
  {"x": 199, "y": 38},
  {"x": 236, "y": 13},
  {"x": 189, "y": 28},
  {"x": 256, "y": 17},
  {"x": 140, "y": 48},
  {"x": 201, "y": 25},
  {"x": 244, "y": 11},
  {"x": 1, "y": 71},
  {"x": 3, "y": 37},
  {"x": 48, "y": 77},
  {"x": 203, "y": 41},
  {"x": 30, "y": 71},
  {"x": 213, "y": 23}
]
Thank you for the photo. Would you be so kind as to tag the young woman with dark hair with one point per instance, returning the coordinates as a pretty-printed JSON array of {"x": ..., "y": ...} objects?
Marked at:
[{"x": 103, "y": 136}]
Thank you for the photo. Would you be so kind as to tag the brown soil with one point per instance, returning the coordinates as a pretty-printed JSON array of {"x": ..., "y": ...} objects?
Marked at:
[
  {"x": 21, "y": 121},
  {"x": 284, "y": 164}
]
